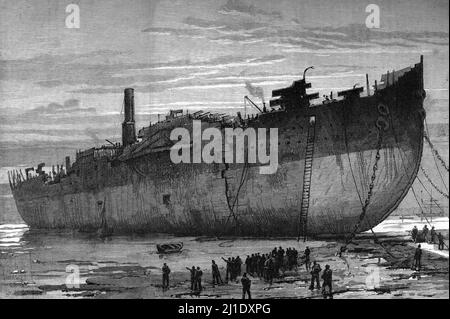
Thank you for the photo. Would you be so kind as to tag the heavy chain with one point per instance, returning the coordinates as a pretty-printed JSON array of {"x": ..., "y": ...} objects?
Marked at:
[
  {"x": 432, "y": 184},
  {"x": 435, "y": 152},
  {"x": 370, "y": 192}
]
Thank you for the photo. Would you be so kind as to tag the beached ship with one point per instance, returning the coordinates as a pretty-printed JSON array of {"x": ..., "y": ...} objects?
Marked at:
[{"x": 345, "y": 163}]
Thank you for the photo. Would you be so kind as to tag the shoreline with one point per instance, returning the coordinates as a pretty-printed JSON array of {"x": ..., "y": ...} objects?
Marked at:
[{"x": 366, "y": 270}]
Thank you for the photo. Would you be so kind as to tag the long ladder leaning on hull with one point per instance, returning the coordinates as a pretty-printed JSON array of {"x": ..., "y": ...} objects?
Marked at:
[{"x": 307, "y": 174}]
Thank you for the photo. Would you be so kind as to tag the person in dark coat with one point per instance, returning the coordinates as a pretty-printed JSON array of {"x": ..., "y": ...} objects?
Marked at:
[
  {"x": 228, "y": 268},
  {"x": 432, "y": 235},
  {"x": 248, "y": 264},
  {"x": 441, "y": 241},
  {"x": 261, "y": 262},
  {"x": 246, "y": 283},
  {"x": 307, "y": 258},
  {"x": 165, "y": 276},
  {"x": 198, "y": 280},
  {"x": 216, "y": 274},
  {"x": 414, "y": 233},
  {"x": 327, "y": 277},
  {"x": 253, "y": 264},
  {"x": 238, "y": 262},
  {"x": 315, "y": 276},
  {"x": 233, "y": 270},
  {"x": 417, "y": 258},
  {"x": 269, "y": 267},
  {"x": 425, "y": 232},
  {"x": 192, "y": 271},
  {"x": 295, "y": 257}
]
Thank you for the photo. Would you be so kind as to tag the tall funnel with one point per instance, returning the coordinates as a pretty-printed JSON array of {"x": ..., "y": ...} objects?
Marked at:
[{"x": 128, "y": 128}]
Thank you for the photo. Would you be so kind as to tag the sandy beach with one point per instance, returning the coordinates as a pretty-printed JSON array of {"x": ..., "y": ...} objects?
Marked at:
[{"x": 43, "y": 265}]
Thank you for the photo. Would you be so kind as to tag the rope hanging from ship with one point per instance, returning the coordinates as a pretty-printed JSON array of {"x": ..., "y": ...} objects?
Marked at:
[
  {"x": 232, "y": 206},
  {"x": 434, "y": 151},
  {"x": 417, "y": 178},
  {"x": 432, "y": 183},
  {"x": 371, "y": 186},
  {"x": 381, "y": 125}
]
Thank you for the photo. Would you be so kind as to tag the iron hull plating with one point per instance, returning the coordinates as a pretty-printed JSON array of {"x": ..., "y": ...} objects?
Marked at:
[{"x": 149, "y": 193}]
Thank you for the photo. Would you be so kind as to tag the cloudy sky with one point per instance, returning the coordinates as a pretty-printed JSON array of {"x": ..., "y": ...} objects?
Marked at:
[{"x": 63, "y": 87}]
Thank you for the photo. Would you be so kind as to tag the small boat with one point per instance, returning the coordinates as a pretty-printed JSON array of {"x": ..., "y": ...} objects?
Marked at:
[{"x": 169, "y": 248}]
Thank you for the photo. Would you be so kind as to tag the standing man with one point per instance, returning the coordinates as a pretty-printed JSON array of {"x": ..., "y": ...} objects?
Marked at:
[
  {"x": 247, "y": 264},
  {"x": 198, "y": 280},
  {"x": 441, "y": 241},
  {"x": 307, "y": 258},
  {"x": 253, "y": 265},
  {"x": 417, "y": 257},
  {"x": 269, "y": 269},
  {"x": 425, "y": 231},
  {"x": 216, "y": 274},
  {"x": 315, "y": 275},
  {"x": 261, "y": 262},
  {"x": 414, "y": 233},
  {"x": 327, "y": 277},
  {"x": 192, "y": 271},
  {"x": 432, "y": 235},
  {"x": 246, "y": 283},
  {"x": 165, "y": 276},
  {"x": 238, "y": 262},
  {"x": 228, "y": 269},
  {"x": 233, "y": 269}
]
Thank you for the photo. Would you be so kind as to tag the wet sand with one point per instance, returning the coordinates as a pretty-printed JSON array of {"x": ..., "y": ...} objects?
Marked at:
[{"x": 38, "y": 265}]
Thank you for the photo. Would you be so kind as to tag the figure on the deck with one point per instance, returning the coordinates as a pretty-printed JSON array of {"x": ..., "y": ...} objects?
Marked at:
[{"x": 417, "y": 258}]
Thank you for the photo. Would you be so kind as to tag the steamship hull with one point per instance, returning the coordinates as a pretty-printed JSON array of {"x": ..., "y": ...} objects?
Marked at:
[{"x": 148, "y": 193}]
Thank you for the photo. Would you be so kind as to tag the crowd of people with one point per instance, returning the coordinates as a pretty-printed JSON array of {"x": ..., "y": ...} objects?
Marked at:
[
  {"x": 233, "y": 268},
  {"x": 427, "y": 235},
  {"x": 265, "y": 266},
  {"x": 268, "y": 266},
  {"x": 274, "y": 264}
]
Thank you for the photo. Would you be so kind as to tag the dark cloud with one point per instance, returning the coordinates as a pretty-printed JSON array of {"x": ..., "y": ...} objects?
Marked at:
[
  {"x": 241, "y": 7},
  {"x": 360, "y": 33},
  {"x": 68, "y": 107},
  {"x": 246, "y": 30},
  {"x": 74, "y": 70},
  {"x": 222, "y": 63}
]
